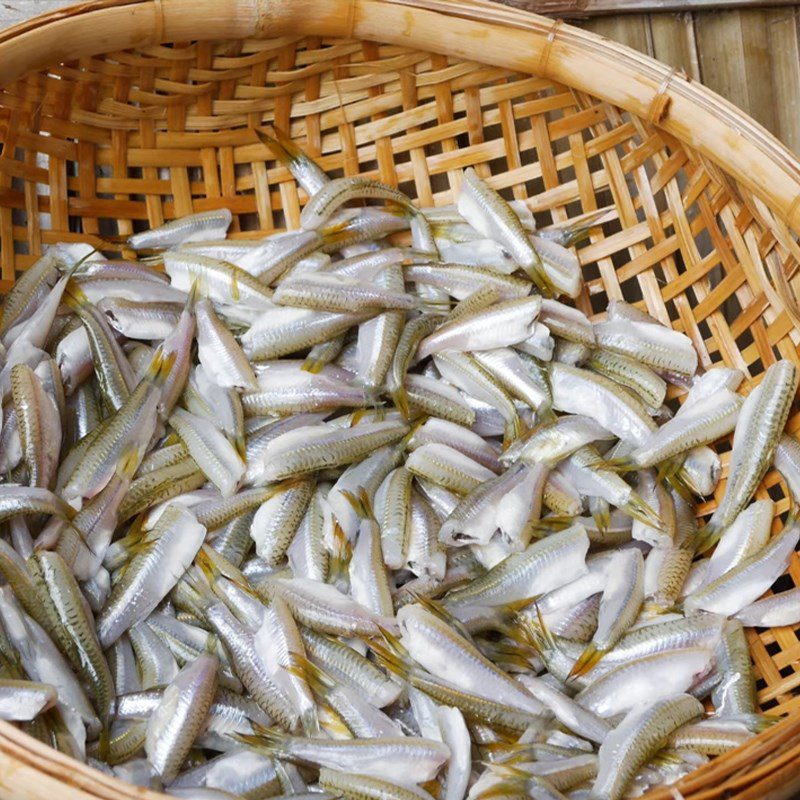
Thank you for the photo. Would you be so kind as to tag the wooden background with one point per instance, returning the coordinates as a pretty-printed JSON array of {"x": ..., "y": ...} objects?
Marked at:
[{"x": 749, "y": 55}]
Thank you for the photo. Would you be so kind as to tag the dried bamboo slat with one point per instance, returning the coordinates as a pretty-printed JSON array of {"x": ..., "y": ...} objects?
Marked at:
[{"x": 120, "y": 114}]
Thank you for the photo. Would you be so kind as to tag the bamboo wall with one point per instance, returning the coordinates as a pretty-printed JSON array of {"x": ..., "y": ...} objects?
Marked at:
[{"x": 750, "y": 56}]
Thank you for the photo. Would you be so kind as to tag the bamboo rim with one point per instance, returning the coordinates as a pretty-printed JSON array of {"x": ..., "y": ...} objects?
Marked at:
[
  {"x": 766, "y": 767},
  {"x": 509, "y": 38}
]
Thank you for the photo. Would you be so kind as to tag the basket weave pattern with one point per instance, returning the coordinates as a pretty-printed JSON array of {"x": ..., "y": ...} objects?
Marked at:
[{"x": 110, "y": 143}]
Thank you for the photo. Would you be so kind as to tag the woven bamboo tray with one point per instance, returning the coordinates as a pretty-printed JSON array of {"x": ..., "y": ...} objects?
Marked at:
[{"x": 119, "y": 114}]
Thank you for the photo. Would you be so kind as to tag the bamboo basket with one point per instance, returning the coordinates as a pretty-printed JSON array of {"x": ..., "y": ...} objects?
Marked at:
[{"x": 116, "y": 115}]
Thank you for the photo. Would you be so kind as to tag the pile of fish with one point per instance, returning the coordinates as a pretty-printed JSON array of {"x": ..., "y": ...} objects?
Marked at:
[{"x": 364, "y": 510}]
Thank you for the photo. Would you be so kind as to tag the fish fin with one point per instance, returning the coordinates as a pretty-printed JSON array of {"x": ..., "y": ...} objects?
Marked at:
[
  {"x": 682, "y": 487},
  {"x": 128, "y": 462},
  {"x": 756, "y": 723},
  {"x": 474, "y": 302},
  {"x": 312, "y": 365},
  {"x": 139, "y": 548},
  {"x": 602, "y": 518},
  {"x": 653, "y": 608},
  {"x": 439, "y": 307},
  {"x": 537, "y": 274},
  {"x": 214, "y": 565},
  {"x": 413, "y": 428},
  {"x": 506, "y": 753},
  {"x": 317, "y": 679},
  {"x": 537, "y": 634},
  {"x": 551, "y": 524},
  {"x": 393, "y": 642},
  {"x": 400, "y": 399},
  {"x": 198, "y": 581},
  {"x": 619, "y": 464},
  {"x": 240, "y": 446},
  {"x": 794, "y": 507},
  {"x": 586, "y": 661},
  {"x": 707, "y": 537},
  {"x": 666, "y": 469},
  {"x": 198, "y": 290},
  {"x": 666, "y": 758},
  {"x": 578, "y": 231},
  {"x": 335, "y": 233},
  {"x": 513, "y": 430},
  {"x": 74, "y": 296},
  {"x": 332, "y": 722},
  {"x": 510, "y": 787},
  {"x": 440, "y": 611},
  {"x": 212, "y": 644},
  {"x": 170, "y": 439},
  {"x": 509, "y": 624},
  {"x": 104, "y": 740}
]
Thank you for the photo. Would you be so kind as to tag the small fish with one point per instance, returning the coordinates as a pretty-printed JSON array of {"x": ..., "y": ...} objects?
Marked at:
[
  {"x": 541, "y": 567},
  {"x": 638, "y": 682},
  {"x": 774, "y": 611},
  {"x": 622, "y": 599},
  {"x": 499, "y": 325},
  {"x": 152, "y": 572},
  {"x": 178, "y": 718},
  {"x": 490, "y": 215},
  {"x": 640, "y": 735},
  {"x": 407, "y": 758},
  {"x": 207, "y": 225},
  {"x": 749, "y": 579},
  {"x": 218, "y": 352},
  {"x": 758, "y": 430}
]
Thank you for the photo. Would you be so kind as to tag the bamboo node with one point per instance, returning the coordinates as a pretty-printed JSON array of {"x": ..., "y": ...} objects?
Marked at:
[
  {"x": 158, "y": 21},
  {"x": 541, "y": 69},
  {"x": 265, "y": 15},
  {"x": 659, "y": 105}
]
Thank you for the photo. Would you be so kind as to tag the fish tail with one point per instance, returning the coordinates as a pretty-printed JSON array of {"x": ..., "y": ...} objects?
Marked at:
[
  {"x": 637, "y": 508},
  {"x": 439, "y": 610},
  {"x": 360, "y": 502},
  {"x": 336, "y": 233},
  {"x": 270, "y": 741},
  {"x": 602, "y": 518},
  {"x": 537, "y": 633},
  {"x": 396, "y": 663},
  {"x": 586, "y": 661},
  {"x": 283, "y": 148},
  {"x": 513, "y": 430},
  {"x": 159, "y": 367},
  {"x": 341, "y": 552}
]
